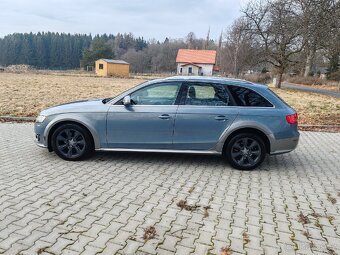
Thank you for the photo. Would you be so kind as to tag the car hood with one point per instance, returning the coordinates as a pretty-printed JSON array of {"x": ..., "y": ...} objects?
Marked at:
[{"x": 90, "y": 105}]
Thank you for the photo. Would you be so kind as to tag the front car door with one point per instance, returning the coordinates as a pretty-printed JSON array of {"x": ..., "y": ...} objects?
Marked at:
[
  {"x": 206, "y": 110},
  {"x": 148, "y": 122}
]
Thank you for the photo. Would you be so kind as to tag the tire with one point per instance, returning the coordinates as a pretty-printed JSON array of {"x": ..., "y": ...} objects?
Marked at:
[
  {"x": 245, "y": 151},
  {"x": 72, "y": 142}
]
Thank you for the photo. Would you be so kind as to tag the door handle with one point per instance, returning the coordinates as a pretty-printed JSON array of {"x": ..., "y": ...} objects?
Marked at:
[
  {"x": 221, "y": 118},
  {"x": 164, "y": 116}
]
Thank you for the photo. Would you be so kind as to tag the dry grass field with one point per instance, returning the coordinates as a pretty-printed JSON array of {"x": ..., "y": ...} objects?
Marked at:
[
  {"x": 28, "y": 93},
  {"x": 313, "y": 109}
]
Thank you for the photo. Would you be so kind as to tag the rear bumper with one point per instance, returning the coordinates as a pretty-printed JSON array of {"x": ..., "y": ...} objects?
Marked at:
[{"x": 280, "y": 146}]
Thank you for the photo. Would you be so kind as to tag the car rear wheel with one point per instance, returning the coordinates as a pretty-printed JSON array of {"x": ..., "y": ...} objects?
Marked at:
[
  {"x": 245, "y": 151},
  {"x": 72, "y": 142}
]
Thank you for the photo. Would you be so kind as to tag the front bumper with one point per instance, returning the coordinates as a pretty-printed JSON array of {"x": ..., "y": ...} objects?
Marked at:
[
  {"x": 40, "y": 138},
  {"x": 38, "y": 141}
]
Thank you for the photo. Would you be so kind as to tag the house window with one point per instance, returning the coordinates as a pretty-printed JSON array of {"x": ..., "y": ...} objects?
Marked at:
[
  {"x": 181, "y": 70},
  {"x": 190, "y": 70},
  {"x": 101, "y": 66}
]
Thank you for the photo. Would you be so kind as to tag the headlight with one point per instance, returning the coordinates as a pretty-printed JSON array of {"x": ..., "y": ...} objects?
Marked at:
[{"x": 40, "y": 118}]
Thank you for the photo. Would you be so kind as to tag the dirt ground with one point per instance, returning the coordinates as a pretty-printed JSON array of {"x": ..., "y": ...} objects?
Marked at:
[{"x": 27, "y": 94}]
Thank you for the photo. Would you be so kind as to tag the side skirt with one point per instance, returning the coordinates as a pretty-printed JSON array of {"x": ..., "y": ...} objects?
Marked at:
[{"x": 160, "y": 151}]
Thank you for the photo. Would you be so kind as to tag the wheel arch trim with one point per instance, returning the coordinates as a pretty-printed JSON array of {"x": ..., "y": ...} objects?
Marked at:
[
  {"x": 58, "y": 121},
  {"x": 247, "y": 125}
]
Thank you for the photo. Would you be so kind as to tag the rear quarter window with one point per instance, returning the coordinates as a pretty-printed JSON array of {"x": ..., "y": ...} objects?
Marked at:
[
  {"x": 247, "y": 97},
  {"x": 278, "y": 97}
]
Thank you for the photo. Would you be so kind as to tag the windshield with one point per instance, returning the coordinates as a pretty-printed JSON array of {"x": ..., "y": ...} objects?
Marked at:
[{"x": 106, "y": 100}]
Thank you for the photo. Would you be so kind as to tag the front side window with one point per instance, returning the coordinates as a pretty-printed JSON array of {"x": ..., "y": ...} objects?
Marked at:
[
  {"x": 248, "y": 97},
  {"x": 207, "y": 94},
  {"x": 158, "y": 94}
]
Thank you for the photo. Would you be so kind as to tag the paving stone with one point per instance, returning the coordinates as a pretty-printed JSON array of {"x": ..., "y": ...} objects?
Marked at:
[
  {"x": 169, "y": 243},
  {"x": 58, "y": 247},
  {"x": 201, "y": 249}
]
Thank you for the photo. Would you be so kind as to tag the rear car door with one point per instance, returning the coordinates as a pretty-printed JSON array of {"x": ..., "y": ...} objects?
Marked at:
[
  {"x": 148, "y": 122},
  {"x": 206, "y": 110}
]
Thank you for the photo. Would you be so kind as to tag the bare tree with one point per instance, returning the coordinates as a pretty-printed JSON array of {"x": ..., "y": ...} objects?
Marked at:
[
  {"x": 138, "y": 60},
  {"x": 163, "y": 55},
  {"x": 330, "y": 44},
  {"x": 318, "y": 17},
  {"x": 276, "y": 26},
  {"x": 219, "y": 51},
  {"x": 236, "y": 40},
  {"x": 238, "y": 52},
  {"x": 191, "y": 37},
  {"x": 207, "y": 41}
]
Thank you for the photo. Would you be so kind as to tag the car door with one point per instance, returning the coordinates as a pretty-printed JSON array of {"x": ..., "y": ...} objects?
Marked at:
[
  {"x": 148, "y": 122},
  {"x": 206, "y": 110}
]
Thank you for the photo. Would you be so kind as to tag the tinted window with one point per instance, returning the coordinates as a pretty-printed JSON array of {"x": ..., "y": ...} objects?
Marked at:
[
  {"x": 247, "y": 97},
  {"x": 159, "y": 94},
  {"x": 206, "y": 94}
]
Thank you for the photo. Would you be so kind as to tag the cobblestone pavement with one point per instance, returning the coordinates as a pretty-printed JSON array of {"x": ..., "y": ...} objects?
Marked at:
[{"x": 104, "y": 205}]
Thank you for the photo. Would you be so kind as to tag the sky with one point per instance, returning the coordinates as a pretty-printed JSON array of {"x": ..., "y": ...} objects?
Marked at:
[{"x": 148, "y": 18}]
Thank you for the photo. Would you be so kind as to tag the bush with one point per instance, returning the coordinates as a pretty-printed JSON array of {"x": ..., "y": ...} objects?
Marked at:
[
  {"x": 263, "y": 78},
  {"x": 305, "y": 80},
  {"x": 335, "y": 76},
  {"x": 313, "y": 80}
]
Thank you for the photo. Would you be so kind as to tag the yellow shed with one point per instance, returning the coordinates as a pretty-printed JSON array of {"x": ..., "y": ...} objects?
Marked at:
[{"x": 111, "y": 67}]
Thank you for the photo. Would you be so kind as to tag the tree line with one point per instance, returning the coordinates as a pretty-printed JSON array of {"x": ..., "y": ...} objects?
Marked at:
[
  {"x": 44, "y": 50},
  {"x": 66, "y": 51},
  {"x": 144, "y": 56},
  {"x": 296, "y": 36}
]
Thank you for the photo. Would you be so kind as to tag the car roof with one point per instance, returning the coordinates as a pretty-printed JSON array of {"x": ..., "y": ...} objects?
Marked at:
[{"x": 214, "y": 79}]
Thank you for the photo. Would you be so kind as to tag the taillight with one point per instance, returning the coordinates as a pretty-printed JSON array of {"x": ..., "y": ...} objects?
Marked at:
[{"x": 292, "y": 119}]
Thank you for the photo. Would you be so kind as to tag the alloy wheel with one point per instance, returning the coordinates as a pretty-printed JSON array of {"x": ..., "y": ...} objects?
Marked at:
[
  {"x": 70, "y": 143},
  {"x": 246, "y": 152}
]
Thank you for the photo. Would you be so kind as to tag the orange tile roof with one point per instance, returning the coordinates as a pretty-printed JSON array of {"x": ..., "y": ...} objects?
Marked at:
[{"x": 196, "y": 56}]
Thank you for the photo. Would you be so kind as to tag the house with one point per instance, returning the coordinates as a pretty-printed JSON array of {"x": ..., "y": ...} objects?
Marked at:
[
  {"x": 111, "y": 67},
  {"x": 196, "y": 62}
]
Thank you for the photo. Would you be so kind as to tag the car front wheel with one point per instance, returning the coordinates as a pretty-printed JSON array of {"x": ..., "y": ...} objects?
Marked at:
[
  {"x": 72, "y": 142},
  {"x": 245, "y": 151}
]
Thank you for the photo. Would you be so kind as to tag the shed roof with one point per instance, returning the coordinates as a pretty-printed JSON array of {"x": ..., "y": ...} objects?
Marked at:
[
  {"x": 115, "y": 61},
  {"x": 196, "y": 56}
]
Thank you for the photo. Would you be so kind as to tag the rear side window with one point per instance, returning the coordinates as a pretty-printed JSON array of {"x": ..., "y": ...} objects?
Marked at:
[
  {"x": 206, "y": 94},
  {"x": 248, "y": 97}
]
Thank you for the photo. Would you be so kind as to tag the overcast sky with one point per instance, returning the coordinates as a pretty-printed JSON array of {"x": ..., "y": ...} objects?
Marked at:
[{"x": 149, "y": 18}]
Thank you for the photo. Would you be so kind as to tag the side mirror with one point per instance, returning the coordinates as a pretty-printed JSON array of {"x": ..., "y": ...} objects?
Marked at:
[{"x": 127, "y": 100}]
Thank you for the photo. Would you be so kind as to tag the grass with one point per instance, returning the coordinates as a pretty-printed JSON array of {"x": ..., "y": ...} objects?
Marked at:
[
  {"x": 313, "y": 109},
  {"x": 27, "y": 94}
]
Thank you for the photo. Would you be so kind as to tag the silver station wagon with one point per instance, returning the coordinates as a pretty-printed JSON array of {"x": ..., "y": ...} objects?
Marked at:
[{"x": 239, "y": 120}]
